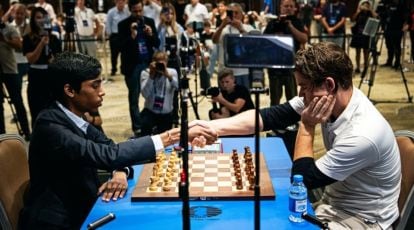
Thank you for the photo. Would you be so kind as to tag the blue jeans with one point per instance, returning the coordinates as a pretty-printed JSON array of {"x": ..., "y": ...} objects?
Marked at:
[{"x": 133, "y": 83}]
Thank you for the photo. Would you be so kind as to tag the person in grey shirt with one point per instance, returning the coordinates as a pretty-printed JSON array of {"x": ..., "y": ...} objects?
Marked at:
[{"x": 116, "y": 14}]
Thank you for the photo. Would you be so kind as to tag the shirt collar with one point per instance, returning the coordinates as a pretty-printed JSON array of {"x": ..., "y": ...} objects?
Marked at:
[
  {"x": 79, "y": 121},
  {"x": 342, "y": 121}
]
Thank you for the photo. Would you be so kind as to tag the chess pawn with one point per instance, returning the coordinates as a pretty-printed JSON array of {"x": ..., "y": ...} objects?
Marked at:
[
  {"x": 251, "y": 179},
  {"x": 236, "y": 165},
  {"x": 167, "y": 181},
  {"x": 238, "y": 170},
  {"x": 170, "y": 164},
  {"x": 239, "y": 184},
  {"x": 238, "y": 175},
  {"x": 251, "y": 187}
]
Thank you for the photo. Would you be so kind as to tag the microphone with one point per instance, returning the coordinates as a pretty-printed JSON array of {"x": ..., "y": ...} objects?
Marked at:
[
  {"x": 47, "y": 49},
  {"x": 101, "y": 221}
]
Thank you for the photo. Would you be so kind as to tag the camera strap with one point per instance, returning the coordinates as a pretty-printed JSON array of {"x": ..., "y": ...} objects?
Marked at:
[{"x": 158, "y": 104}]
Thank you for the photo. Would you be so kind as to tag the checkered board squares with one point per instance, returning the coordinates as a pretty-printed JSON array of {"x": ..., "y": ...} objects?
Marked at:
[{"x": 212, "y": 177}]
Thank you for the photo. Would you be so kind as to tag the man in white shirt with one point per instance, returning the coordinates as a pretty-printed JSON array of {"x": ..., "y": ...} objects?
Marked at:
[
  {"x": 87, "y": 25},
  {"x": 197, "y": 13},
  {"x": 116, "y": 14},
  {"x": 361, "y": 170},
  {"x": 47, "y": 7},
  {"x": 152, "y": 9}
]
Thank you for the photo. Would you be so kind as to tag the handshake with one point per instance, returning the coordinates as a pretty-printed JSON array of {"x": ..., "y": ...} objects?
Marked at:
[{"x": 201, "y": 133}]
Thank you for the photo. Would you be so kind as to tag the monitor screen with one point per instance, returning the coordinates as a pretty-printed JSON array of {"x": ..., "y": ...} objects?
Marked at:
[{"x": 258, "y": 51}]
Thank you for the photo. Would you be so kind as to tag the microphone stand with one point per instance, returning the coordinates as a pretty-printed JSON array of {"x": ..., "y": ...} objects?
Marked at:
[
  {"x": 257, "y": 89},
  {"x": 184, "y": 182}
]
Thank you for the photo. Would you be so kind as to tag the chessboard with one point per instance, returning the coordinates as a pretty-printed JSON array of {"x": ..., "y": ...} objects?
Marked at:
[{"x": 212, "y": 177}]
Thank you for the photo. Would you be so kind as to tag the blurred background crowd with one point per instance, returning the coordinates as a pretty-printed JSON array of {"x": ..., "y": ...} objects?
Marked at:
[{"x": 185, "y": 37}]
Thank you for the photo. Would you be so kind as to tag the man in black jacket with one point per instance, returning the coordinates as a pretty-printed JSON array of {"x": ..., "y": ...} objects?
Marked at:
[
  {"x": 66, "y": 151},
  {"x": 139, "y": 39}
]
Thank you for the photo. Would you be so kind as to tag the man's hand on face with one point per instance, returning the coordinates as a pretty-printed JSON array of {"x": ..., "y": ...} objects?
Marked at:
[
  {"x": 115, "y": 187},
  {"x": 319, "y": 110}
]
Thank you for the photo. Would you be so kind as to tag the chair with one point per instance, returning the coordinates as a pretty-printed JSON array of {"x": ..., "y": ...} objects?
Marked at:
[
  {"x": 14, "y": 179},
  {"x": 405, "y": 140}
]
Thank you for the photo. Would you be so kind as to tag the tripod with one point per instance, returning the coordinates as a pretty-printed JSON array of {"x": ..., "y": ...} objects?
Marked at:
[
  {"x": 185, "y": 69},
  {"x": 71, "y": 37},
  {"x": 373, "y": 68},
  {"x": 12, "y": 109}
]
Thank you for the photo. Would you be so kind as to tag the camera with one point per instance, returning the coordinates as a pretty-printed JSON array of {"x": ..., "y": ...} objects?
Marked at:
[
  {"x": 159, "y": 66},
  {"x": 69, "y": 7},
  {"x": 213, "y": 91},
  {"x": 229, "y": 14},
  {"x": 278, "y": 25},
  {"x": 140, "y": 25}
]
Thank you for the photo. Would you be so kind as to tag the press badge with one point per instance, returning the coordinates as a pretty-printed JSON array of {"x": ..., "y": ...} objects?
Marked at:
[
  {"x": 332, "y": 20},
  {"x": 158, "y": 103},
  {"x": 85, "y": 23}
]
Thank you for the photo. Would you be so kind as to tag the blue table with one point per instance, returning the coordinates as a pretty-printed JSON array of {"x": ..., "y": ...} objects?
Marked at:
[{"x": 210, "y": 214}]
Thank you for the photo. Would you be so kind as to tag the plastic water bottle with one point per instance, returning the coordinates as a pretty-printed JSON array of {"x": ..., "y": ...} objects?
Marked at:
[{"x": 298, "y": 196}]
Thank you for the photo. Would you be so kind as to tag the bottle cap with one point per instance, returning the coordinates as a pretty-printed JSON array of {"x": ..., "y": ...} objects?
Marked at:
[{"x": 297, "y": 178}]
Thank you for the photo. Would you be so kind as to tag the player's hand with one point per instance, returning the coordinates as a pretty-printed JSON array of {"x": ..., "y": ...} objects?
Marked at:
[
  {"x": 319, "y": 110},
  {"x": 208, "y": 134},
  {"x": 115, "y": 187}
]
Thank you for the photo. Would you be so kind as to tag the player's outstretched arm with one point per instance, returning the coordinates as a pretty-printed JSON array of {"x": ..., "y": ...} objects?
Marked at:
[{"x": 240, "y": 124}]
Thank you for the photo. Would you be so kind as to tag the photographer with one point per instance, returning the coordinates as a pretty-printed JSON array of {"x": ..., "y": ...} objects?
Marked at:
[
  {"x": 393, "y": 15},
  {"x": 233, "y": 98},
  {"x": 286, "y": 24},
  {"x": 9, "y": 41},
  {"x": 233, "y": 24},
  {"x": 158, "y": 84},
  {"x": 360, "y": 41},
  {"x": 39, "y": 47},
  {"x": 139, "y": 39}
]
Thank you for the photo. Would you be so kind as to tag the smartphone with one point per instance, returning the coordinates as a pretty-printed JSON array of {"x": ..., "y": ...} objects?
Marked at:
[{"x": 229, "y": 14}]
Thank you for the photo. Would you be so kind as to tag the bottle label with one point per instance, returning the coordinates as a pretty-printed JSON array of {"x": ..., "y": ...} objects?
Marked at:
[
  {"x": 297, "y": 205},
  {"x": 300, "y": 206}
]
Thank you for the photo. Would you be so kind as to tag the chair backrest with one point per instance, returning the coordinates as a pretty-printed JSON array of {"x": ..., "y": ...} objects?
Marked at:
[
  {"x": 14, "y": 178},
  {"x": 405, "y": 140}
]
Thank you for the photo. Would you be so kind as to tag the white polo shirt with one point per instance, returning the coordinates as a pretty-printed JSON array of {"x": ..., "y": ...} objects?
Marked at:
[
  {"x": 363, "y": 157},
  {"x": 85, "y": 21}
]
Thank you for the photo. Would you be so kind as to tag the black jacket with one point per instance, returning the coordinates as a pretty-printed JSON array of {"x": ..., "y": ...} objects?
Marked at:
[
  {"x": 63, "y": 163},
  {"x": 129, "y": 47}
]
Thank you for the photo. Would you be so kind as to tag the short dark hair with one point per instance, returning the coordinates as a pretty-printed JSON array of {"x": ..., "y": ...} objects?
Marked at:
[
  {"x": 73, "y": 69},
  {"x": 322, "y": 60},
  {"x": 224, "y": 73},
  {"x": 132, "y": 3}
]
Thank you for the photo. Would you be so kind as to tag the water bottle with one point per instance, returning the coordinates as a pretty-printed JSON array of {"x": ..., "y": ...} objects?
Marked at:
[{"x": 298, "y": 196}]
